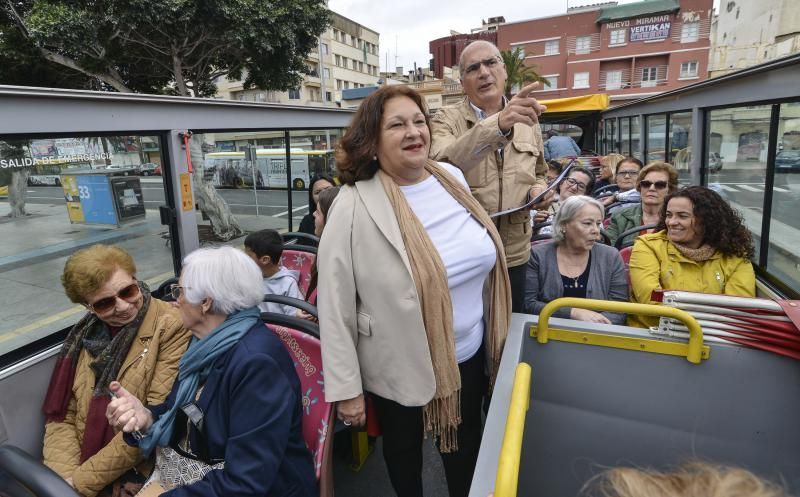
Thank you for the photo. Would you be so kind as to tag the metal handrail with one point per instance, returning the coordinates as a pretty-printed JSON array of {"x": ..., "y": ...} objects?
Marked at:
[{"x": 511, "y": 451}]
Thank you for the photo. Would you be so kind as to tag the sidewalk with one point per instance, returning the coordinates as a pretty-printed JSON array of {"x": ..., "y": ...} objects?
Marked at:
[{"x": 33, "y": 252}]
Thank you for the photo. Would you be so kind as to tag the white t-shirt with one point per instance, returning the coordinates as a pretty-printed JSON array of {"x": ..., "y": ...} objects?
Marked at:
[{"x": 467, "y": 252}]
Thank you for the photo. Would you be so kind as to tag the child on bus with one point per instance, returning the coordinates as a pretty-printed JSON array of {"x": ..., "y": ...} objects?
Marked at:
[{"x": 265, "y": 248}]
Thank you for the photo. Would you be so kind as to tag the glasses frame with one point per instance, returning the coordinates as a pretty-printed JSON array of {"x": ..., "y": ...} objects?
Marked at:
[
  {"x": 175, "y": 291},
  {"x": 573, "y": 182},
  {"x": 102, "y": 309},
  {"x": 647, "y": 184},
  {"x": 488, "y": 63}
]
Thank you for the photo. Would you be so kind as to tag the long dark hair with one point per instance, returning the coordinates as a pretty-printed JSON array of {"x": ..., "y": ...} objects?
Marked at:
[
  {"x": 312, "y": 205},
  {"x": 326, "y": 198},
  {"x": 723, "y": 227}
]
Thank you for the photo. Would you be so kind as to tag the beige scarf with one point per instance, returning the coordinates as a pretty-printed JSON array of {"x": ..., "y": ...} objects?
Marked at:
[
  {"x": 442, "y": 414},
  {"x": 699, "y": 254}
]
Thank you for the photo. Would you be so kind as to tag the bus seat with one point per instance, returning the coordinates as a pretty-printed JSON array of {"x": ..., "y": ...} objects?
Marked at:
[
  {"x": 299, "y": 238},
  {"x": 301, "y": 339},
  {"x": 625, "y": 253},
  {"x": 162, "y": 292},
  {"x": 296, "y": 303},
  {"x": 299, "y": 258},
  {"x": 23, "y": 476},
  {"x": 620, "y": 243}
]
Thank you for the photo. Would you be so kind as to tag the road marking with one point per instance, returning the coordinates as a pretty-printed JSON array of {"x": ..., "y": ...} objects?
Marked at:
[
  {"x": 727, "y": 188},
  {"x": 293, "y": 211},
  {"x": 750, "y": 188},
  {"x": 155, "y": 280},
  {"x": 779, "y": 189}
]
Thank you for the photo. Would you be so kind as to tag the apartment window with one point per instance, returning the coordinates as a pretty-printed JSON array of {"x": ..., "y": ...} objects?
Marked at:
[
  {"x": 324, "y": 48},
  {"x": 326, "y": 72},
  {"x": 344, "y": 62},
  {"x": 294, "y": 94},
  {"x": 328, "y": 96},
  {"x": 338, "y": 84},
  {"x": 553, "y": 80},
  {"x": 346, "y": 85},
  {"x": 581, "y": 80},
  {"x": 360, "y": 67},
  {"x": 690, "y": 32},
  {"x": 354, "y": 40},
  {"x": 617, "y": 37},
  {"x": 338, "y": 59},
  {"x": 689, "y": 69},
  {"x": 355, "y": 65},
  {"x": 613, "y": 80},
  {"x": 336, "y": 35},
  {"x": 551, "y": 47},
  {"x": 649, "y": 77},
  {"x": 360, "y": 43},
  {"x": 583, "y": 44}
]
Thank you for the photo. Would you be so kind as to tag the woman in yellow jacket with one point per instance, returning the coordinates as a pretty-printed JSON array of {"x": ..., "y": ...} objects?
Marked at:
[{"x": 700, "y": 245}]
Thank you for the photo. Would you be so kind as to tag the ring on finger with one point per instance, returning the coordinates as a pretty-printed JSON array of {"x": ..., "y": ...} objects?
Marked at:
[{"x": 347, "y": 423}]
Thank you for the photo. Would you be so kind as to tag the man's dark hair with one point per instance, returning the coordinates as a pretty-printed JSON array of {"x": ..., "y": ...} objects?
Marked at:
[{"x": 265, "y": 242}]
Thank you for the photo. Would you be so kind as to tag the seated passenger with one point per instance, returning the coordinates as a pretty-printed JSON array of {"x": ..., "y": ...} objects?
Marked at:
[
  {"x": 126, "y": 336},
  {"x": 579, "y": 181},
  {"x": 701, "y": 245},
  {"x": 625, "y": 177},
  {"x": 656, "y": 181},
  {"x": 318, "y": 184},
  {"x": 265, "y": 248},
  {"x": 576, "y": 265},
  {"x": 237, "y": 398},
  {"x": 608, "y": 168},
  {"x": 320, "y": 218}
]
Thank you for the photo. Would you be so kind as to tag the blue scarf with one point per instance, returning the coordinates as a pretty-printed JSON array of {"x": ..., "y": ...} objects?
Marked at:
[{"x": 194, "y": 369}]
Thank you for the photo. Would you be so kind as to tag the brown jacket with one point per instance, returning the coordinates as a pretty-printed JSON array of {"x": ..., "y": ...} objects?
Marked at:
[
  {"x": 499, "y": 183},
  {"x": 148, "y": 373}
]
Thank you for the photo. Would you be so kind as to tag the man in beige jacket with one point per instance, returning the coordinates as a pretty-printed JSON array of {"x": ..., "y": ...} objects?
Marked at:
[{"x": 497, "y": 143}]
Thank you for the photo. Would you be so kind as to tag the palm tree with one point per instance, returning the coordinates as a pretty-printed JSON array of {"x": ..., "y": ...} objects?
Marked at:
[{"x": 518, "y": 73}]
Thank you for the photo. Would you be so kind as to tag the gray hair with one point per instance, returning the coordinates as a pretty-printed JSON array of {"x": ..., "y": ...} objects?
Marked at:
[
  {"x": 228, "y": 276},
  {"x": 473, "y": 44},
  {"x": 567, "y": 212}
]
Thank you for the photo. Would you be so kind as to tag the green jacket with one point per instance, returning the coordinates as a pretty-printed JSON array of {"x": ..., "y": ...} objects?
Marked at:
[{"x": 623, "y": 220}]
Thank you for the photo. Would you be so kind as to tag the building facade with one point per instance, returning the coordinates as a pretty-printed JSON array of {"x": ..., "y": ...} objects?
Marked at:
[
  {"x": 446, "y": 51},
  {"x": 347, "y": 56},
  {"x": 748, "y": 33},
  {"x": 627, "y": 51}
]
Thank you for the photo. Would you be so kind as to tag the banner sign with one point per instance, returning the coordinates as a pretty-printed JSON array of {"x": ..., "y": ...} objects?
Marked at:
[{"x": 651, "y": 28}]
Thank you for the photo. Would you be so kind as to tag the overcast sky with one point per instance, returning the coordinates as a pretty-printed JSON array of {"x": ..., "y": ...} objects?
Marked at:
[{"x": 411, "y": 24}]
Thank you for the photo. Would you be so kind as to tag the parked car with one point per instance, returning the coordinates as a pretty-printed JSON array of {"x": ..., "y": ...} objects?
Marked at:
[
  {"x": 148, "y": 169},
  {"x": 123, "y": 170},
  {"x": 787, "y": 161}
]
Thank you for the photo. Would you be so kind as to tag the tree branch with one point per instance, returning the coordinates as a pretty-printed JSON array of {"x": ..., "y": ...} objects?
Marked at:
[{"x": 112, "y": 78}]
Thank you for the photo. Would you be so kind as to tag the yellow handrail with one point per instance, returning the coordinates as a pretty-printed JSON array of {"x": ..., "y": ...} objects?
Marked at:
[
  {"x": 695, "y": 347},
  {"x": 508, "y": 465}
]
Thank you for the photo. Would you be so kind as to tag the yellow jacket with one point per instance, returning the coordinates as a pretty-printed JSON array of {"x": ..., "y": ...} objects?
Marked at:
[
  {"x": 657, "y": 264},
  {"x": 148, "y": 372},
  {"x": 498, "y": 181}
]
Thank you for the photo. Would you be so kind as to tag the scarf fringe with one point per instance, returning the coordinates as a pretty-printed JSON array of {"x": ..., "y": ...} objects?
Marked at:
[{"x": 441, "y": 417}]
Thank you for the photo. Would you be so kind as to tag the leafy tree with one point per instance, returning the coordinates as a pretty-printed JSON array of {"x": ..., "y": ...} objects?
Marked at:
[
  {"x": 518, "y": 73},
  {"x": 171, "y": 46}
]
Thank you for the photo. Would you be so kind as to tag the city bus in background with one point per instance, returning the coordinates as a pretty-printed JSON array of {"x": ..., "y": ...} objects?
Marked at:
[{"x": 232, "y": 170}]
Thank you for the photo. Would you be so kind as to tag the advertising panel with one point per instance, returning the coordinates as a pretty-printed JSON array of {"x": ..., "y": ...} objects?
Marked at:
[{"x": 95, "y": 196}]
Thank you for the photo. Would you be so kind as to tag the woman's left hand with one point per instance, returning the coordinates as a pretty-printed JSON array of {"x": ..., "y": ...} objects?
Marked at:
[
  {"x": 587, "y": 315},
  {"x": 351, "y": 411}
]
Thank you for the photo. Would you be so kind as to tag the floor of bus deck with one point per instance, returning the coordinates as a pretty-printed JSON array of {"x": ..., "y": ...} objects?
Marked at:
[{"x": 373, "y": 480}]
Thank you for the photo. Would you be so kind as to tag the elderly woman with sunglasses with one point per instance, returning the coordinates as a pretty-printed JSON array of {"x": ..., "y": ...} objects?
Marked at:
[
  {"x": 236, "y": 407},
  {"x": 656, "y": 181},
  {"x": 126, "y": 336}
]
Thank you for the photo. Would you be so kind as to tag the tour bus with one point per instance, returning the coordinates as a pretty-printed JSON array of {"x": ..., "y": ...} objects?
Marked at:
[
  {"x": 599, "y": 395},
  {"x": 230, "y": 169}
]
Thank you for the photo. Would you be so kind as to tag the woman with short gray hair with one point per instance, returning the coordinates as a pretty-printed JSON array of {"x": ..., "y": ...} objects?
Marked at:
[
  {"x": 576, "y": 265},
  {"x": 235, "y": 409}
]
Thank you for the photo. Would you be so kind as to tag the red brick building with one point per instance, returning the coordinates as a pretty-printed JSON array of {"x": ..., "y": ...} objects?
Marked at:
[
  {"x": 446, "y": 51},
  {"x": 628, "y": 51}
]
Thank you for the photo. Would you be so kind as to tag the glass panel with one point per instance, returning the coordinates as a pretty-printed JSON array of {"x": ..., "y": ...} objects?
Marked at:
[
  {"x": 784, "y": 228},
  {"x": 601, "y": 142},
  {"x": 611, "y": 135},
  {"x": 66, "y": 194},
  {"x": 636, "y": 132},
  {"x": 738, "y": 136},
  {"x": 312, "y": 155},
  {"x": 680, "y": 142},
  {"x": 625, "y": 139},
  {"x": 656, "y": 137}
]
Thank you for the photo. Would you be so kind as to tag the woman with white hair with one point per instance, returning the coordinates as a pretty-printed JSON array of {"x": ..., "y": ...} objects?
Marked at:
[
  {"x": 575, "y": 265},
  {"x": 235, "y": 409}
]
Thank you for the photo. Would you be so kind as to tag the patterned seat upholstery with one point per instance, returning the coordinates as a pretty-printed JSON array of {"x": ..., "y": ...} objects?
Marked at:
[
  {"x": 306, "y": 352},
  {"x": 301, "y": 261}
]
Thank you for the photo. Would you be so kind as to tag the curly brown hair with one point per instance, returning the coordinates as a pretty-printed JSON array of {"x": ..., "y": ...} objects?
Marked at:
[
  {"x": 722, "y": 226},
  {"x": 88, "y": 269},
  {"x": 355, "y": 154}
]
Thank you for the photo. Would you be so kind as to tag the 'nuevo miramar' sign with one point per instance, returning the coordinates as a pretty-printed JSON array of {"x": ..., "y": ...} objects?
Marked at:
[{"x": 650, "y": 28}]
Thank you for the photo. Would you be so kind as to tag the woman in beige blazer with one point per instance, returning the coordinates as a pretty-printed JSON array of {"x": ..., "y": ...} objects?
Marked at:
[{"x": 414, "y": 298}]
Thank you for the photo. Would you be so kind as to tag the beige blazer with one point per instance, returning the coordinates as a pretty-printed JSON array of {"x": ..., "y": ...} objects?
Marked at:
[{"x": 373, "y": 337}]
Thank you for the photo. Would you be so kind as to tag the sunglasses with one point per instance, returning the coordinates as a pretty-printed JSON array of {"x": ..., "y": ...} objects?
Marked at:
[
  {"x": 660, "y": 185},
  {"x": 489, "y": 63},
  {"x": 176, "y": 291},
  {"x": 573, "y": 182},
  {"x": 128, "y": 294}
]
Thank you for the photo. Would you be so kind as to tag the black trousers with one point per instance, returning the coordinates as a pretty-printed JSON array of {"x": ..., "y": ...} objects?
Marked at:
[
  {"x": 403, "y": 433},
  {"x": 517, "y": 276}
]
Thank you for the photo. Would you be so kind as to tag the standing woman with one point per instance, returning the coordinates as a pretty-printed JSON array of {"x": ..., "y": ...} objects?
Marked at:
[
  {"x": 125, "y": 336},
  {"x": 318, "y": 184},
  {"x": 405, "y": 258},
  {"x": 700, "y": 245}
]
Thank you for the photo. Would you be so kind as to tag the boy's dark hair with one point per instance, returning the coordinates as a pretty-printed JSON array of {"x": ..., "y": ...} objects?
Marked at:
[{"x": 265, "y": 242}]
